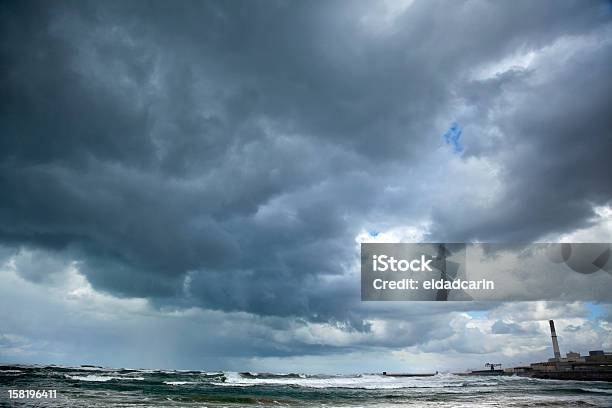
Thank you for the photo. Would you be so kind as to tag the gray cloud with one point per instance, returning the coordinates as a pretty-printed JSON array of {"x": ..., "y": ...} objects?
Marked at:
[
  {"x": 553, "y": 140},
  {"x": 500, "y": 327},
  {"x": 226, "y": 155}
]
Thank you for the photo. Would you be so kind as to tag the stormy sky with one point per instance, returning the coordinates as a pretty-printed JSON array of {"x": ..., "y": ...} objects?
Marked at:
[{"x": 186, "y": 184}]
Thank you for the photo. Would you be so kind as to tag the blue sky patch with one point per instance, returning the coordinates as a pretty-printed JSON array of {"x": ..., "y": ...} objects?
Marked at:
[{"x": 452, "y": 137}]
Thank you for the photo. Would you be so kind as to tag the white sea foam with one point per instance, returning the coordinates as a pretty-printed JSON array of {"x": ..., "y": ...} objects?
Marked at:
[
  {"x": 102, "y": 378},
  {"x": 363, "y": 381},
  {"x": 179, "y": 382}
]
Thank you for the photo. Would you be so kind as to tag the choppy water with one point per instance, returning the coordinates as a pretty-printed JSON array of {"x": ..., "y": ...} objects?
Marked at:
[{"x": 98, "y": 387}]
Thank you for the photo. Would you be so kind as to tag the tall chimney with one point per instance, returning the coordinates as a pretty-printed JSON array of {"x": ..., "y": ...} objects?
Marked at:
[{"x": 553, "y": 334}]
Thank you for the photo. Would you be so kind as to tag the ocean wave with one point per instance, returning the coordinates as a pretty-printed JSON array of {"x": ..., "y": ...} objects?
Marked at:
[
  {"x": 102, "y": 378},
  {"x": 272, "y": 375},
  {"x": 366, "y": 381},
  {"x": 180, "y": 382},
  {"x": 597, "y": 390}
]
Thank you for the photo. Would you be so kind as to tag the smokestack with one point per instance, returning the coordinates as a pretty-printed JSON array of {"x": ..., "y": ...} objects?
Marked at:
[{"x": 553, "y": 334}]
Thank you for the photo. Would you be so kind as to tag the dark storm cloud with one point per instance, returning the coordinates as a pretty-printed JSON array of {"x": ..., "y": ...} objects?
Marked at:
[
  {"x": 226, "y": 154},
  {"x": 556, "y": 148}
]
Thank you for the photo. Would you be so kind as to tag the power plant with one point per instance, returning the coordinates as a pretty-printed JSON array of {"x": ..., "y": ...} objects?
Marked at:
[{"x": 596, "y": 366}]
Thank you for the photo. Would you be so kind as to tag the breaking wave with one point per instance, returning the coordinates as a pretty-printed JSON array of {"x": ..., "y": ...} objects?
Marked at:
[
  {"x": 102, "y": 378},
  {"x": 360, "y": 381}
]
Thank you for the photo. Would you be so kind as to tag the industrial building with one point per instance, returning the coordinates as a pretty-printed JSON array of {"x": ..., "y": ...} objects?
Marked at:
[{"x": 596, "y": 366}]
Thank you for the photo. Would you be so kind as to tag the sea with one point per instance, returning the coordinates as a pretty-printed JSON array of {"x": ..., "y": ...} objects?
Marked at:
[{"x": 89, "y": 386}]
